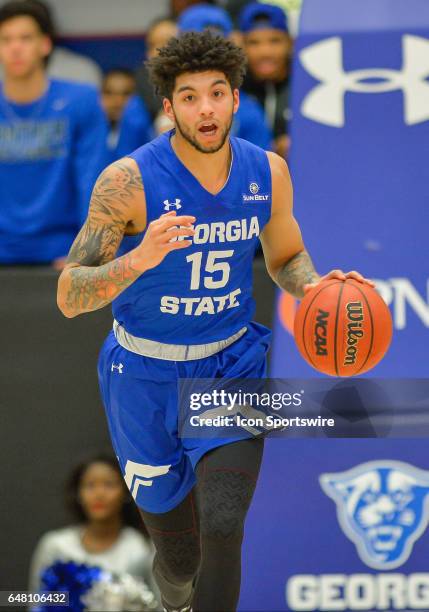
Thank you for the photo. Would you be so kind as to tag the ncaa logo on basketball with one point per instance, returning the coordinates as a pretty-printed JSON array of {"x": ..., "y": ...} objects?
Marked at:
[
  {"x": 382, "y": 507},
  {"x": 325, "y": 103},
  {"x": 321, "y": 332}
]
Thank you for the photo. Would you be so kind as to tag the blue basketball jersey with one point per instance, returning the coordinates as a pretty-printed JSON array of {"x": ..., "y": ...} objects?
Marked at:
[{"x": 202, "y": 293}]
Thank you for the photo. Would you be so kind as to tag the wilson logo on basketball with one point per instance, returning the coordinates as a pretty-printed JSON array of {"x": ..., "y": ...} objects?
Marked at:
[
  {"x": 320, "y": 332},
  {"x": 354, "y": 331}
]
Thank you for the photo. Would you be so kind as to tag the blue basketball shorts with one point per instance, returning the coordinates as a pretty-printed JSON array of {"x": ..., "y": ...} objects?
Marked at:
[{"x": 140, "y": 396}]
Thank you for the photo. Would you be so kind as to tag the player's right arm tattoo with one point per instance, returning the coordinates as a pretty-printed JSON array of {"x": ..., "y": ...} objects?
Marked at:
[{"x": 98, "y": 278}]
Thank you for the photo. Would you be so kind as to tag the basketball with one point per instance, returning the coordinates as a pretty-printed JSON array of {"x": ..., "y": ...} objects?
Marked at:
[{"x": 343, "y": 328}]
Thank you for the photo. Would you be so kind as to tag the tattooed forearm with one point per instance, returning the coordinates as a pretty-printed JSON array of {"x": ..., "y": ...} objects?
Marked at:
[
  {"x": 96, "y": 245},
  {"x": 111, "y": 198},
  {"x": 91, "y": 288},
  {"x": 297, "y": 272},
  {"x": 92, "y": 277}
]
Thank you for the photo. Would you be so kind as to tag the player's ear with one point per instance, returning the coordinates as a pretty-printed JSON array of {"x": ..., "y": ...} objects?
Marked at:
[
  {"x": 236, "y": 98},
  {"x": 168, "y": 108}
]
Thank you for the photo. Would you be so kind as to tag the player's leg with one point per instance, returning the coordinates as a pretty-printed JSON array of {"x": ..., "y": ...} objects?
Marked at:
[
  {"x": 175, "y": 535},
  {"x": 226, "y": 480},
  {"x": 226, "y": 472},
  {"x": 139, "y": 395}
]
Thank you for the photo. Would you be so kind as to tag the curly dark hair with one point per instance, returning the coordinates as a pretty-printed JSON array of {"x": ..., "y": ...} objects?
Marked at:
[
  {"x": 130, "y": 514},
  {"x": 196, "y": 52}
]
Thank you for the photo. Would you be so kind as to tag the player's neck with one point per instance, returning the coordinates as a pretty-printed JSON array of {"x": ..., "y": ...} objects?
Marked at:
[
  {"x": 210, "y": 169},
  {"x": 26, "y": 89}
]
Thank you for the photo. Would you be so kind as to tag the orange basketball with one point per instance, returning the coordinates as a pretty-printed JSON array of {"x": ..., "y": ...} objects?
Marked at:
[{"x": 343, "y": 328}]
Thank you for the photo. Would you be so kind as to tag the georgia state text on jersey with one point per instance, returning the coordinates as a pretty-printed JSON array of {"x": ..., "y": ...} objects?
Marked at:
[{"x": 202, "y": 293}]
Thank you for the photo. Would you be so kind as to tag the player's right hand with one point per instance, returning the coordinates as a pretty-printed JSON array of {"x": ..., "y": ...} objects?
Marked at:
[{"x": 157, "y": 242}]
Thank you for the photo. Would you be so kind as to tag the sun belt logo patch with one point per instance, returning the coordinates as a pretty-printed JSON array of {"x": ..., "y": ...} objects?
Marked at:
[
  {"x": 256, "y": 196},
  {"x": 382, "y": 507},
  {"x": 324, "y": 61},
  {"x": 253, "y": 188}
]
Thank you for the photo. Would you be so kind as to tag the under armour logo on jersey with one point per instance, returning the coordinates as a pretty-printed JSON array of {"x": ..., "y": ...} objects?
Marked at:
[
  {"x": 168, "y": 205},
  {"x": 118, "y": 367},
  {"x": 137, "y": 474},
  {"x": 325, "y": 102},
  {"x": 59, "y": 104}
]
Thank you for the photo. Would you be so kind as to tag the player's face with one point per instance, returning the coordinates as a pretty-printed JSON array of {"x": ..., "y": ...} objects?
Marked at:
[
  {"x": 267, "y": 51},
  {"x": 202, "y": 109},
  {"x": 23, "y": 46},
  {"x": 101, "y": 492}
]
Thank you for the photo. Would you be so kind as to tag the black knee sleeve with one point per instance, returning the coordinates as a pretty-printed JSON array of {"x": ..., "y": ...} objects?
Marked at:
[
  {"x": 178, "y": 555},
  {"x": 223, "y": 501}
]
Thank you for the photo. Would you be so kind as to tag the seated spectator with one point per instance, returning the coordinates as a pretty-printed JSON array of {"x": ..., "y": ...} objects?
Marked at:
[
  {"x": 178, "y": 6},
  {"x": 268, "y": 45},
  {"x": 249, "y": 122},
  {"x": 157, "y": 35},
  {"x": 52, "y": 144},
  {"x": 118, "y": 86},
  {"x": 107, "y": 533},
  {"x": 64, "y": 63}
]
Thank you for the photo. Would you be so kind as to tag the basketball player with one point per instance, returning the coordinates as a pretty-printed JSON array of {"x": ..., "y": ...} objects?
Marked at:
[{"x": 197, "y": 200}]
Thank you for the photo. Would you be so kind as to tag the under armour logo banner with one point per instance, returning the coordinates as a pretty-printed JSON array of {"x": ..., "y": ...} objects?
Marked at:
[
  {"x": 325, "y": 102},
  {"x": 169, "y": 205}
]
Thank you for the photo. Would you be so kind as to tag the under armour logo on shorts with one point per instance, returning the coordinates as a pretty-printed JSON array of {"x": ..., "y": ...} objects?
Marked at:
[
  {"x": 118, "y": 367},
  {"x": 168, "y": 205},
  {"x": 324, "y": 61}
]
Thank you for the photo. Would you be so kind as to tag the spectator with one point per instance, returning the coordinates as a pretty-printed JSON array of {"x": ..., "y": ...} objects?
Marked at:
[
  {"x": 104, "y": 534},
  {"x": 118, "y": 86},
  {"x": 249, "y": 121},
  {"x": 268, "y": 46},
  {"x": 158, "y": 33},
  {"x": 178, "y": 6},
  {"x": 64, "y": 63},
  {"x": 52, "y": 144}
]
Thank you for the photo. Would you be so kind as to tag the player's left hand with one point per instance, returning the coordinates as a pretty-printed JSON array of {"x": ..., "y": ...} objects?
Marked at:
[{"x": 340, "y": 275}]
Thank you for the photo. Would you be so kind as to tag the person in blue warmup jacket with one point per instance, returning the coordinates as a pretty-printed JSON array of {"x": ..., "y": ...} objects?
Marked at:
[
  {"x": 196, "y": 199},
  {"x": 138, "y": 126},
  {"x": 52, "y": 144}
]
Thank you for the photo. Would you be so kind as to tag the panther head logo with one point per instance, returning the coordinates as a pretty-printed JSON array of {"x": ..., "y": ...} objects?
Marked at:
[{"x": 383, "y": 507}]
